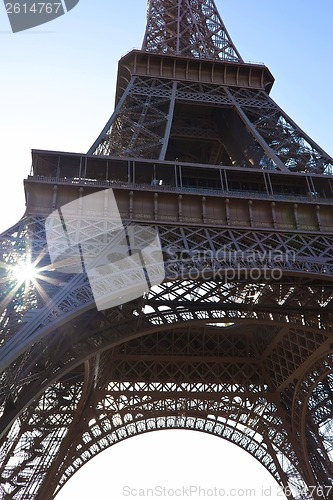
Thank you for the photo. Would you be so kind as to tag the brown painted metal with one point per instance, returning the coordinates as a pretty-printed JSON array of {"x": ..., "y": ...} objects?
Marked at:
[{"x": 237, "y": 341}]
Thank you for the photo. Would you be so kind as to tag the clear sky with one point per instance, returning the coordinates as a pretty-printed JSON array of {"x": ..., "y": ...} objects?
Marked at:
[{"x": 57, "y": 91}]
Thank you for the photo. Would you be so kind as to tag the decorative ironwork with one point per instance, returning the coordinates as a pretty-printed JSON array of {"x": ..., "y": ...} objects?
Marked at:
[
  {"x": 237, "y": 340},
  {"x": 189, "y": 28}
]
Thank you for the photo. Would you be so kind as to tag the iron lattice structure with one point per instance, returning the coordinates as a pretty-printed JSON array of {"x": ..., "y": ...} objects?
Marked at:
[{"x": 237, "y": 340}]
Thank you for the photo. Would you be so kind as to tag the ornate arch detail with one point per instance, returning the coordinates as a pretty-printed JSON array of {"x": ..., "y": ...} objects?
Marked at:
[
  {"x": 284, "y": 308},
  {"x": 223, "y": 430},
  {"x": 308, "y": 410}
]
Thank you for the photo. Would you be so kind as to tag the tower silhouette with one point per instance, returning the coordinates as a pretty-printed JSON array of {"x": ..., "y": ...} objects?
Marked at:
[{"x": 236, "y": 341}]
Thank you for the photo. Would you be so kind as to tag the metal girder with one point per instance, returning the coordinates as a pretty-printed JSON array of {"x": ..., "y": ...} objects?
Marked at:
[
  {"x": 228, "y": 249},
  {"x": 215, "y": 348},
  {"x": 150, "y": 109},
  {"x": 166, "y": 136},
  {"x": 304, "y": 304},
  {"x": 297, "y": 151},
  {"x": 138, "y": 126},
  {"x": 192, "y": 28}
]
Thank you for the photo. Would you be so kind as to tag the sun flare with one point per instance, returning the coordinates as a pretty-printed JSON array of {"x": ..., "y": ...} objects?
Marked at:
[
  {"x": 28, "y": 275},
  {"x": 25, "y": 271}
]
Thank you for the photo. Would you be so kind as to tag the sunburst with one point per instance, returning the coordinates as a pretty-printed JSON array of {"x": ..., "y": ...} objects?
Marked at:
[
  {"x": 25, "y": 271},
  {"x": 28, "y": 274}
]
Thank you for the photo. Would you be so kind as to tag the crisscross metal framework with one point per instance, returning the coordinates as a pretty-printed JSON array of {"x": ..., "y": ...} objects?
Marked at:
[
  {"x": 237, "y": 340},
  {"x": 188, "y": 27}
]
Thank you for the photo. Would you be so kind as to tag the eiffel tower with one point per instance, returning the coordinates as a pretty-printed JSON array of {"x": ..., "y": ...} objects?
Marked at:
[{"x": 237, "y": 339}]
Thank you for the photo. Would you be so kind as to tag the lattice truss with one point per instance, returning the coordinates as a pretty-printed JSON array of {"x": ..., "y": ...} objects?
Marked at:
[
  {"x": 139, "y": 124},
  {"x": 241, "y": 411},
  {"x": 248, "y": 360},
  {"x": 190, "y": 28},
  {"x": 242, "y": 380},
  {"x": 247, "y": 124},
  {"x": 295, "y": 149}
]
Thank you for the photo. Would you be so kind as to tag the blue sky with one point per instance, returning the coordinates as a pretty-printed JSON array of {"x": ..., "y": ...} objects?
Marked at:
[{"x": 57, "y": 91}]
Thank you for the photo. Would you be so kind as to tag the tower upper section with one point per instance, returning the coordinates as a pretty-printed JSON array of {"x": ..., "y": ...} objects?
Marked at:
[
  {"x": 188, "y": 96},
  {"x": 190, "y": 28}
]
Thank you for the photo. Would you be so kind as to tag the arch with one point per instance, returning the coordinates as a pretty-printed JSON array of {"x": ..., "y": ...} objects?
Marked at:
[
  {"x": 40, "y": 384},
  {"x": 168, "y": 306},
  {"x": 75, "y": 297},
  {"x": 170, "y": 458},
  {"x": 226, "y": 432},
  {"x": 320, "y": 370}
]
